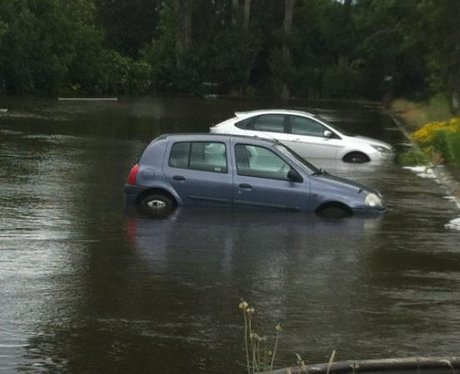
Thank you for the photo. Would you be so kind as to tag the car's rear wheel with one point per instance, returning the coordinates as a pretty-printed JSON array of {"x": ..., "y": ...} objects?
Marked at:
[
  {"x": 156, "y": 205},
  {"x": 356, "y": 158}
]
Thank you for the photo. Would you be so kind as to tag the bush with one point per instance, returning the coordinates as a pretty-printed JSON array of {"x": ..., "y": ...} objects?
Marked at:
[
  {"x": 449, "y": 145},
  {"x": 414, "y": 157},
  {"x": 416, "y": 115},
  {"x": 440, "y": 140}
]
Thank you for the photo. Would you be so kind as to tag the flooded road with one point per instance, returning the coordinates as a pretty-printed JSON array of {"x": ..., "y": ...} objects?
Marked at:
[{"x": 88, "y": 287}]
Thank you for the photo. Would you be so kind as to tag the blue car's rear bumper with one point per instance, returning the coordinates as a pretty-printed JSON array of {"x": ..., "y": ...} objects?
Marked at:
[{"x": 131, "y": 193}]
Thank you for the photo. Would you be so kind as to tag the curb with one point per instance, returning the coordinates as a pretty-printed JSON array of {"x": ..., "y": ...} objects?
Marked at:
[{"x": 409, "y": 365}]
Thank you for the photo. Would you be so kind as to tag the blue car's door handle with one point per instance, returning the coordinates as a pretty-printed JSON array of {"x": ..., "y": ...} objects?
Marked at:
[
  {"x": 246, "y": 186},
  {"x": 178, "y": 178}
]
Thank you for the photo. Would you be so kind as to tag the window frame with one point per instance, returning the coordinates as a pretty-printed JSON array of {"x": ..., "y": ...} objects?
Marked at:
[
  {"x": 308, "y": 120},
  {"x": 189, "y": 162},
  {"x": 249, "y": 123},
  {"x": 271, "y": 177}
]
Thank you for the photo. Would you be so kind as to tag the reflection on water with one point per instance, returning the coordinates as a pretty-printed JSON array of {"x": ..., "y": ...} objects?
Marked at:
[
  {"x": 207, "y": 229},
  {"x": 352, "y": 171},
  {"x": 87, "y": 288}
]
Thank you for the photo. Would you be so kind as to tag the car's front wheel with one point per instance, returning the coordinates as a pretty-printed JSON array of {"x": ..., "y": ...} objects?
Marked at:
[
  {"x": 156, "y": 205},
  {"x": 336, "y": 211},
  {"x": 356, "y": 158}
]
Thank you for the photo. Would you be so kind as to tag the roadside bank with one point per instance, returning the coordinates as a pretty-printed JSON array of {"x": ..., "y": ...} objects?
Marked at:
[{"x": 447, "y": 177}]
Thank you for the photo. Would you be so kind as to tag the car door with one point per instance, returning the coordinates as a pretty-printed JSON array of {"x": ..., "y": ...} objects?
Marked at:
[
  {"x": 311, "y": 139},
  {"x": 199, "y": 172},
  {"x": 260, "y": 179}
]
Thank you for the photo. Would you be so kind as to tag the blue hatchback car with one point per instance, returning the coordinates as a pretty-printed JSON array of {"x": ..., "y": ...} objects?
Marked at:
[{"x": 230, "y": 170}]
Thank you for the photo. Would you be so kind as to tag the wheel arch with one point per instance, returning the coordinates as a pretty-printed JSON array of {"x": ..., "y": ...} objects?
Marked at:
[
  {"x": 348, "y": 156},
  {"x": 334, "y": 205},
  {"x": 159, "y": 191}
]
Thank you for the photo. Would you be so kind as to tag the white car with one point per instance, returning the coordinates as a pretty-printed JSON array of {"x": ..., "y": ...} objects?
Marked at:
[{"x": 306, "y": 134}]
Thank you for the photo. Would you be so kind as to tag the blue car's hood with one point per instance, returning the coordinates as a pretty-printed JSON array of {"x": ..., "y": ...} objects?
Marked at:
[{"x": 340, "y": 182}]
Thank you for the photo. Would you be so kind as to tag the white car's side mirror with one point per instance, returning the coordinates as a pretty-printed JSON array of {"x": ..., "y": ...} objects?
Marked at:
[{"x": 327, "y": 134}]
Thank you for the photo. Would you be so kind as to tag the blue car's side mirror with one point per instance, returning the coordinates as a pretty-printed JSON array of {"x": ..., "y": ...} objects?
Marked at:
[{"x": 294, "y": 176}]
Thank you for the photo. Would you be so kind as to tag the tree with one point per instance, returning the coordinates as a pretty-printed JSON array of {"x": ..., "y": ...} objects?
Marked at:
[
  {"x": 389, "y": 44},
  {"x": 184, "y": 29},
  {"x": 128, "y": 24},
  {"x": 288, "y": 14},
  {"x": 443, "y": 57},
  {"x": 51, "y": 46}
]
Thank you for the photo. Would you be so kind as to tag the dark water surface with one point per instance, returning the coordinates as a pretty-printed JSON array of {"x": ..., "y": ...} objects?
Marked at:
[{"x": 87, "y": 287}]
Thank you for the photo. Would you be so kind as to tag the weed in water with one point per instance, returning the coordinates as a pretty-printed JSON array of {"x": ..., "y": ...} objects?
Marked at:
[{"x": 258, "y": 355}]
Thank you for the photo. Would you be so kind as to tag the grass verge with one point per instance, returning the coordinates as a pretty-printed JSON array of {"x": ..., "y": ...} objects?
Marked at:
[{"x": 433, "y": 129}]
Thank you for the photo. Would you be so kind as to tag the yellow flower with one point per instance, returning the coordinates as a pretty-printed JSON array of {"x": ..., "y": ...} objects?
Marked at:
[{"x": 427, "y": 133}]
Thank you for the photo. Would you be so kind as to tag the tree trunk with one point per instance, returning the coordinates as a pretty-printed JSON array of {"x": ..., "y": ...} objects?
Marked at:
[
  {"x": 247, "y": 14},
  {"x": 184, "y": 30},
  {"x": 235, "y": 10},
  {"x": 288, "y": 15},
  {"x": 455, "y": 94}
]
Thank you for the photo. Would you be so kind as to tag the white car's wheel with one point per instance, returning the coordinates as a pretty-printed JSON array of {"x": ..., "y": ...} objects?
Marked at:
[{"x": 356, "y": 158}]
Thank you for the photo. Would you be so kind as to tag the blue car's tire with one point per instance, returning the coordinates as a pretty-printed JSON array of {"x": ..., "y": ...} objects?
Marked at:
[
  {"x": 334, "y": 211},
  {"x": 156, "y": 205}
]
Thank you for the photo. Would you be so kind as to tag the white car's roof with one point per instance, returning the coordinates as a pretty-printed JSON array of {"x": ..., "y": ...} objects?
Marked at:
[{"x": 251, "y": 113}]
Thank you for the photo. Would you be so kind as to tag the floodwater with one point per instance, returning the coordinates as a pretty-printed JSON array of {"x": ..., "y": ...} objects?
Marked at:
[{"x": 89, "y": 287}]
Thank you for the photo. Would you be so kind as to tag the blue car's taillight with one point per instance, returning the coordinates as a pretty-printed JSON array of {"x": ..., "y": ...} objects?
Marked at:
[{"x": 132, "y": 177}]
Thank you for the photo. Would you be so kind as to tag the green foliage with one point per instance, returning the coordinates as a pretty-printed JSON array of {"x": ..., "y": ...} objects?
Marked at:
[
  {"x": 341, "y": 81},
  {"x": 3, "y": 29},
  {"x": 447, "y": 144},
  {"x": 440, "y": 26},
  {"x": 390, "y": 43},
  {"x": 334, "y": 50},
  {"x": 128, "y": 25},
  {"x": 55, "y": 46},
  {"x": 414, "y": 157},
  {"x": 161, "y": 52},
  {"x": 453, "y": 148},
  {"x": 229, "y": 52}
]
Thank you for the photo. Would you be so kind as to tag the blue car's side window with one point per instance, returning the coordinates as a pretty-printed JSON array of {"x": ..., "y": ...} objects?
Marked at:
[
  {"x": 205, "y": 156},
  {"x": 255, "y": 161},
  {"x": 179, "y": 156}
]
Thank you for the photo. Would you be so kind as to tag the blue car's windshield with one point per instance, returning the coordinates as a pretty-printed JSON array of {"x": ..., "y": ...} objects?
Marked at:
[{"x": 289, "y": 152}]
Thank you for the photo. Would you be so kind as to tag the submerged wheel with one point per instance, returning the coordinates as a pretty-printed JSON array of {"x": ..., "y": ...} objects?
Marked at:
[
  {"x": 356, "y": 158},
  {"x": 334, "y": 211},
  {"x": 156, "y": 205}
]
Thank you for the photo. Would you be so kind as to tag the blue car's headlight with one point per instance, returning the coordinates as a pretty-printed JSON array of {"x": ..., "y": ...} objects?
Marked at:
[{"x": 373, "y": 200}]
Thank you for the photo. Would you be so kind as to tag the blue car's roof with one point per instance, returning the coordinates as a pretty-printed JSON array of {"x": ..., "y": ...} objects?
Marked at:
[{"x": 205, "y": 136}]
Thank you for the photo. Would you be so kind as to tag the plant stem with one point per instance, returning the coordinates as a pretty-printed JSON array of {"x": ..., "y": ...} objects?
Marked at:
[
  {"x": 274, "y": 350},
  {"x": 246, "y": 342}
]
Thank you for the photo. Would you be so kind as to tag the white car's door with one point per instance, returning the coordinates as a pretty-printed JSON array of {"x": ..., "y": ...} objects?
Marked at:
[{"x": 311, "y": 139}]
